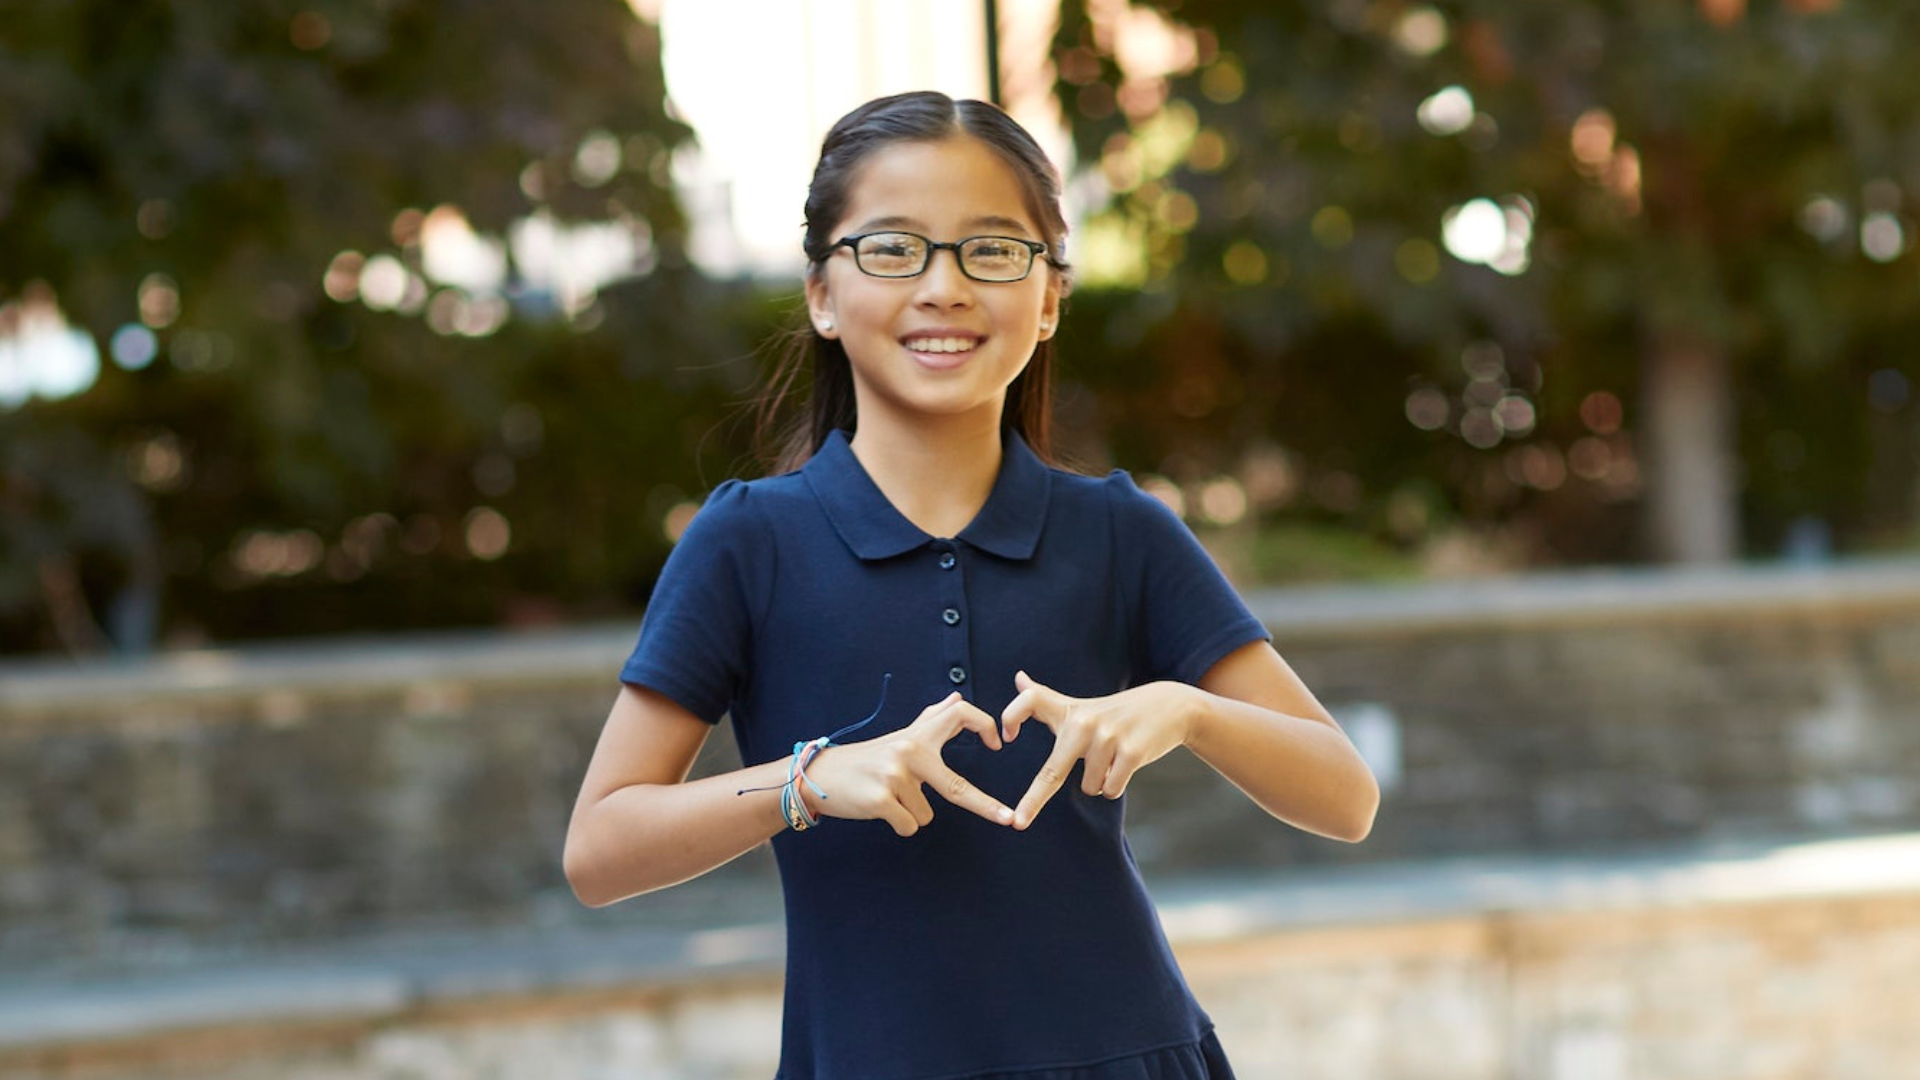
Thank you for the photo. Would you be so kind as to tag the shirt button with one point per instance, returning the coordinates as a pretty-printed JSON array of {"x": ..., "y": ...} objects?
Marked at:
[
  {"x": 947, "y": 560},
  {"x": 951, "y": 616},
  {"x": 956, "y": 675}
]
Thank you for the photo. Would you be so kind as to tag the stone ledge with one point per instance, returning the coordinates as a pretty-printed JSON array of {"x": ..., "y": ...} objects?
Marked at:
[
  {"x": 387, "y": 664},
  {"x": 392, "y": 978},
  {"x": 1591, "y": 597},
  {"x": 591, "y": 655}
]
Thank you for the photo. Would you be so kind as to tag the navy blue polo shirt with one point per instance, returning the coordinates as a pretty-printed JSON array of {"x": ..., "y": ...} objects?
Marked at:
[{"x": 968, "y": 948}]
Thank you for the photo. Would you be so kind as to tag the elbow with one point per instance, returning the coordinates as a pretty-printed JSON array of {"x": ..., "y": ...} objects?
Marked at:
[
  {"x": 1350, "y": 818},
  {"x": 1366, "y": 804},
  {"x": 1356, "y": 830},
  {"x": 578, "y": 867}
]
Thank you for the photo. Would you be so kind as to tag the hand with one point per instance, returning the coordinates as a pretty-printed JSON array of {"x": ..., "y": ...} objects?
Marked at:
[
  {"x": 1116, "y": 735},
  {"x": 882, "y": 777}
]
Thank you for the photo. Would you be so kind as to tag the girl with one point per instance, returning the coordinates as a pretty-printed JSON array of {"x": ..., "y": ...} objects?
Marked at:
[{"x": 1032, "y": 638}]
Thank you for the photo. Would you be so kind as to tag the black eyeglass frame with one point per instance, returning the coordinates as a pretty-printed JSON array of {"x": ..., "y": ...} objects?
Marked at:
[{"x": 852, "y": 242}]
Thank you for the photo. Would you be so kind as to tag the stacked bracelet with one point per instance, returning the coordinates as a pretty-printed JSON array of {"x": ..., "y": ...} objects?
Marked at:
[{"x": 793, "y": 807}]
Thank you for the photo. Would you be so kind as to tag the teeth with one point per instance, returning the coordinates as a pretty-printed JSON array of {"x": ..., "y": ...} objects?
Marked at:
[{"x": 940, "y": 345}]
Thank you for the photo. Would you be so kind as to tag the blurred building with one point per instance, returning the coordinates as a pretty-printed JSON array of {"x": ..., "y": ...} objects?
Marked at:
[{"x": 761, "y": 102}]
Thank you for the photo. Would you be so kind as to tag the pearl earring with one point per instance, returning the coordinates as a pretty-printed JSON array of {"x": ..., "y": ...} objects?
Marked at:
[{"x": 826, "y": 325}]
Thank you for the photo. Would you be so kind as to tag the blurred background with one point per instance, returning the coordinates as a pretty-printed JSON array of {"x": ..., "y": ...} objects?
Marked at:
[{"x": 1544, "y": 373}]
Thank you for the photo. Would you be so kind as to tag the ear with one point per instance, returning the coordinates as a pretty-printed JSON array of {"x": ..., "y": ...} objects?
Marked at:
[
  {"x": 820, "y": 307},
  {"x": 1050, "y": 306}
]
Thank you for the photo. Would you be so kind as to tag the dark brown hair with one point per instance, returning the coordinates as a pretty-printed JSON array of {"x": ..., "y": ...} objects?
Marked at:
[{"x": 789, "y": 432}]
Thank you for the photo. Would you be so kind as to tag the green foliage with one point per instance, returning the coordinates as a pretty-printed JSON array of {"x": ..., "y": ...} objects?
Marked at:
[
  {"x": 1749, "y": 187},
  {"x": 1301, "y": 553},
  {"x": 292, "y": 461}
]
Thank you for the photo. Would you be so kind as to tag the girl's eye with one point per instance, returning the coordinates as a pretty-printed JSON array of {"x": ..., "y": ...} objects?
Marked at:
[{"x": 891, "y": 247}]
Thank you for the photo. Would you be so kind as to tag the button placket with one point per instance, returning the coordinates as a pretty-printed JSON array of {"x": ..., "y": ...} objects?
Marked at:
[{"x": 951, "y": 611}]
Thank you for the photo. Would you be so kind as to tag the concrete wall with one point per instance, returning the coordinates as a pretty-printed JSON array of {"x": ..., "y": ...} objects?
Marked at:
[{"x": 233, "y": 799}]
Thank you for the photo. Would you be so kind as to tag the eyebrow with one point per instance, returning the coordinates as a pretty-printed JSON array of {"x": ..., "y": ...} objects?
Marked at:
[{"x": 990, "y": 221}]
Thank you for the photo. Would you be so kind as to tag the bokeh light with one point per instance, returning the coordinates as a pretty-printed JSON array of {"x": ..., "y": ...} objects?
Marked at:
[
  {"x": 451, "y": 253},
  {"x": 1490, "y": 234},
  {"x": 133, "y": 347},
  {"x": 1421, "y": 32},
  {"x": 1244, "y": 263},
  {"x": 1428, "y": 409},
  {"x": 1882, "y": 237},
  {"x": 597, "y": 160},
  {"x": 1333, "y": 227},
  {"x": 158, "y": 463},
  {"x": 487, "y": 533},
  {"x": 40, "y": 354},
  {"x": 159, "y": 299},
  {"x": 1601, "y": 412},
  {"x": 383, "y": 283},
  {"x": 1825, "y": 218},
  {"x": 1448, "y": 112},
  {"x": 1223, "y": 501}
]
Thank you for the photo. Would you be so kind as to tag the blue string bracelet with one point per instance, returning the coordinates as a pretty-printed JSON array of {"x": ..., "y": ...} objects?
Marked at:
[{"x": 793, "y": 807}]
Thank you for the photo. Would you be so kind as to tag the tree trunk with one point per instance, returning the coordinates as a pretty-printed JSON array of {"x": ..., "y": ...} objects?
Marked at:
[{"x": 1688, "y": 452}]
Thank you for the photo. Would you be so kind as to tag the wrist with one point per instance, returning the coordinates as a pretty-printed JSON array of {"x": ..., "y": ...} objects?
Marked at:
[{"x": 1194, "y": 714}]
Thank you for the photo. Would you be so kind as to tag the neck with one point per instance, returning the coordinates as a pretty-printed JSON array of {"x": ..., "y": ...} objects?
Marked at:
[{"x": 938, "y": 474}]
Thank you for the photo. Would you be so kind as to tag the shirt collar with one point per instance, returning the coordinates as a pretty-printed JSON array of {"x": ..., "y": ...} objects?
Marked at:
[{"x": 1008, "y": 525}]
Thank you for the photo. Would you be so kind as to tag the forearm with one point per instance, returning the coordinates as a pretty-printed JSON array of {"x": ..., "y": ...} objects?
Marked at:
[
  {"x": 644, "y": 837},
  {"x": 1301, "y": 770}
]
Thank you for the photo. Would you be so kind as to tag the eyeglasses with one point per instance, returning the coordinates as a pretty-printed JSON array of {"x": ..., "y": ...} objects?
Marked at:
[{"x": 905, "y": 255}]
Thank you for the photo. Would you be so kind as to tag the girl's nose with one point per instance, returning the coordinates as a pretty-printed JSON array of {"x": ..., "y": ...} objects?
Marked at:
[{"x": 942, "y": 283}]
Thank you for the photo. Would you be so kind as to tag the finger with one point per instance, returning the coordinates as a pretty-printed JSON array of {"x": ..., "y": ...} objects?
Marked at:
[
  {"x": 1035, "y": 701},
  {"x": 1099, "y": 762},
  {"x": 1052, "y": 774},
  {"x": 961, "y": 792},
  {"x": 966, "y": 716},
  {"x": 1119, "y": 775},
  {"x": 898, "y": 816},
  {"x": 914, "y": 798},
  {"x": 930, "y": 714},
  {"x": 1017, "y": 712}
]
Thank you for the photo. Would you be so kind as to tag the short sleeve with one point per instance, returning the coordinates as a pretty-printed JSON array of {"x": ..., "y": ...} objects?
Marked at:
[
  {"x": 696, "y": 639},
  {"x": 1186, "y": 614}
]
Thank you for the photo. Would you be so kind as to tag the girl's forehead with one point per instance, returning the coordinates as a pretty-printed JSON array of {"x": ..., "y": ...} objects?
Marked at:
[{"x": 952, "y": 183}]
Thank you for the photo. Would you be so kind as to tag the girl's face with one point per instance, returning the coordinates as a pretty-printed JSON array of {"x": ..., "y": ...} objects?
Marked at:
[{"x": 940, "y": 344}]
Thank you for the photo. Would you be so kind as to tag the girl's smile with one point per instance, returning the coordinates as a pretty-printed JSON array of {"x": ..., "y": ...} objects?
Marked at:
[{"x": 942, "y": 349}]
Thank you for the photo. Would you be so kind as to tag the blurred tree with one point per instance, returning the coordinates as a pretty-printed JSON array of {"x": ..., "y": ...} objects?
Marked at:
[
  {"x": 1640, "y": 230},
  {"x": 312, "y": 418}
]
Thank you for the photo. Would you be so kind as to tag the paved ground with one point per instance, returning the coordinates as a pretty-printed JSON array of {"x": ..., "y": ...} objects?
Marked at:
[{"x": 706, "y": 931}]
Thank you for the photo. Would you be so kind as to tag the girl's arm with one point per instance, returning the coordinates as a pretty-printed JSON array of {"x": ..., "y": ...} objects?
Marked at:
[
  {"x": 641, "y": 825},
  {"x": 1251, "y": 718}
]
